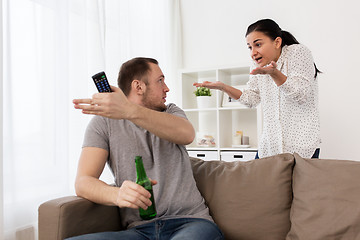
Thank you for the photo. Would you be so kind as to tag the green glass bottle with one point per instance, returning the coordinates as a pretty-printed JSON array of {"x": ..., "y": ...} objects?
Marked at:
[{"x": 144, "y": 181}]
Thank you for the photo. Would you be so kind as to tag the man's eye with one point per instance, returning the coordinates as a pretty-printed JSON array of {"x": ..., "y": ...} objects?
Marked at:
[{"x": 249, "y": 47}]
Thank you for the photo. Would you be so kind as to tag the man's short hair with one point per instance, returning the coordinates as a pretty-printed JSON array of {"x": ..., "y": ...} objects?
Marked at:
[{"x": 136, "y": 68}]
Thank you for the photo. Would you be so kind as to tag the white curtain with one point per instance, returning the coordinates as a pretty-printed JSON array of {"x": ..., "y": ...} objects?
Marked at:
[{"x": 51, "y": 50}]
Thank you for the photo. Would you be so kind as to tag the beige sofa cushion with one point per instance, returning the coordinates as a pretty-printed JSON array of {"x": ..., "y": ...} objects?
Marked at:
[
  {"x": 326, "y": 201},
  {"x": 248, "y": 200}
]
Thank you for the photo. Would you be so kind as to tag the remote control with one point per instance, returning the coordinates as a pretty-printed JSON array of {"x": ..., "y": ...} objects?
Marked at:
[{"x": 101, "y": 82}]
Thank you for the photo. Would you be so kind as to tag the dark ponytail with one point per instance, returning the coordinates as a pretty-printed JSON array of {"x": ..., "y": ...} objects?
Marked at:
[
  {"x": 271, "y": 29},
  {"x": 287, "y": 39}
]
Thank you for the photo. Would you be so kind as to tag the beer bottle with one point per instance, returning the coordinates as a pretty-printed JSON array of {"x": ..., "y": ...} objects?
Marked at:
[{"x": 144, "y": 181}]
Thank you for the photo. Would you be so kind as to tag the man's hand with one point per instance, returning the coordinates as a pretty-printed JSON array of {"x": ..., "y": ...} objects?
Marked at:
[
  {"x": 111, "y": 105},
  {"x": 132, "y": 195}
]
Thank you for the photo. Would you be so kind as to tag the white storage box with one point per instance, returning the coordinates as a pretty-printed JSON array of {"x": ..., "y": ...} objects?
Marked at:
[
  {"x": 204, "y": 155},
  {"x": 231, "y": 156}
]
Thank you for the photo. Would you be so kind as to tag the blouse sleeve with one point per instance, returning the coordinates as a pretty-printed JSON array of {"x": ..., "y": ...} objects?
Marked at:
[
  {"x": 301, "y": 71},
  {"x": 251, "y": 96}
]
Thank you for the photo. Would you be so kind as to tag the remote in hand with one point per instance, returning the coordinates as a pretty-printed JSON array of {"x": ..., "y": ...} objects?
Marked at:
[{"x": 101, "y": 82}]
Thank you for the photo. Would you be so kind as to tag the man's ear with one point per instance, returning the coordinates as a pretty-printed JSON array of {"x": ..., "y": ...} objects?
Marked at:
[
  {"x": 138, "y": 87},
  {"x": 278, "y": 42}
]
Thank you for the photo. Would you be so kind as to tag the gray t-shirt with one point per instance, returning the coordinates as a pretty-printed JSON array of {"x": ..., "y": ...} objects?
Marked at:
[{"x": 176, "y": 194}]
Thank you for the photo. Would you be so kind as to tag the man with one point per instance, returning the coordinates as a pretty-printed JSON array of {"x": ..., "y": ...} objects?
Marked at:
[{"x": 134, "y": 121}]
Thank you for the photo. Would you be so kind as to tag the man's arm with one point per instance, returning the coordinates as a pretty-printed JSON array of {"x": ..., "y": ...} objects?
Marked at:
[
  {"x": 116, "y": 105},
  {"x": 88, "y": 185},
  {"x": 164, "y": 125}
]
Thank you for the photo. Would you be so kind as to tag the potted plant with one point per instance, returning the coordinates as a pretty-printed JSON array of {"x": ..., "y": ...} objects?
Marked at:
[
  {"x": 202, "y": 91},
  {"x": 203, "y": 97}
]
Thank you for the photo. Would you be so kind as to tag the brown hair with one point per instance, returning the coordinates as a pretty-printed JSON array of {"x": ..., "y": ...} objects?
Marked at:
[
  {"x": 271, "y": 29},
  {"x": 136, "y": 68}
]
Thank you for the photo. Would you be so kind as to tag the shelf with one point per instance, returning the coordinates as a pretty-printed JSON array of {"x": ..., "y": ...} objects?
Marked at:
[
  {"x": 250, "y": 149},
  {"x": 220, "y": 122},
  {"x": 199, "y": 110},
  {"x": 241, "y": 107},
  {"x": 202, "y": 148}
]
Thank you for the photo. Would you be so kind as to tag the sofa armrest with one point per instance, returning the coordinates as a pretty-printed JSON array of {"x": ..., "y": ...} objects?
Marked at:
[{"x": 71, "y": 216}]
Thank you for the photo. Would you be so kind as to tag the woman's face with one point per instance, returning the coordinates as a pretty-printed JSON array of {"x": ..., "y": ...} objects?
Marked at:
[{"x": 262, "y": 48}]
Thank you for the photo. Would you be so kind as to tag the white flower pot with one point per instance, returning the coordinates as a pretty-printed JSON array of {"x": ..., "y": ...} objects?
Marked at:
[{"x": 206, "y": 101}]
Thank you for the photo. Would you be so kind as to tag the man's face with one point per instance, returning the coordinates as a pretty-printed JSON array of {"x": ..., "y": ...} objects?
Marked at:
[{"x": 156, "y": 89}]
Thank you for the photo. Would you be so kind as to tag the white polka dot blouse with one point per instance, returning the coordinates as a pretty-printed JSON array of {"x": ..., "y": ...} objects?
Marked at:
[{"x": 290, "y": 111}]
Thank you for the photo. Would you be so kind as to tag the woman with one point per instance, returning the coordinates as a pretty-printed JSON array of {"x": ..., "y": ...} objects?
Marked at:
[{"x": 284, "y": 80}]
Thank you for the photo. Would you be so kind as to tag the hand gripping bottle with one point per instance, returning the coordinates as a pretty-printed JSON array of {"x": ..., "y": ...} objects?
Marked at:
[{"x": 144, "y": 181}]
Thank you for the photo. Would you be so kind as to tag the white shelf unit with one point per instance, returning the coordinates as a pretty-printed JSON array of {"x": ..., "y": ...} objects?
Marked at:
[{"x": 220, "y": 121}]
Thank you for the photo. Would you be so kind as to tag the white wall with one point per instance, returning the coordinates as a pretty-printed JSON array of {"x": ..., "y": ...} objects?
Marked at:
[
  {"x": 1, "y": 126},
  {"x": 213, "y": 35}
]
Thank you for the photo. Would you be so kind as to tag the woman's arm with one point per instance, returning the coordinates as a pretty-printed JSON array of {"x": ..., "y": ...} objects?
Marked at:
[{"x": 231, "y": 91}]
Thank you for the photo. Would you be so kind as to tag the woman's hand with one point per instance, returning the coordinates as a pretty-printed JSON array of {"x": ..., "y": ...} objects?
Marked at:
[
  {"x": 268, "y": 69},
  {"x": 231, "y": 91},
  {"x": 212, "y": 85},
  {"x": 271, "y": 70}
]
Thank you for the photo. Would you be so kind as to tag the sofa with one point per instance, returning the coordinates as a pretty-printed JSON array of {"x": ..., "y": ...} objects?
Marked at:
[{"x": 274, "y": 198}]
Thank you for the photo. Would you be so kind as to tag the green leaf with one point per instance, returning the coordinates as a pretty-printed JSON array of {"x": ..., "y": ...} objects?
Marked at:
[{"x": 202, "y": 91}]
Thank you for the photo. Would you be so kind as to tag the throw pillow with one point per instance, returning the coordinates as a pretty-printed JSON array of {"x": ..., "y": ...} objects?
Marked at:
[
  {"x": 248, "y": 200},
  {"x": 326, "y": 201}
]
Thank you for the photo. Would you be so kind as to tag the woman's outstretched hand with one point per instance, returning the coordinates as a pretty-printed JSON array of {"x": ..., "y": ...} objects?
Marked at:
[
  {"x": 212, "y": 85},
  {"x": 268, "y": 69}
]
